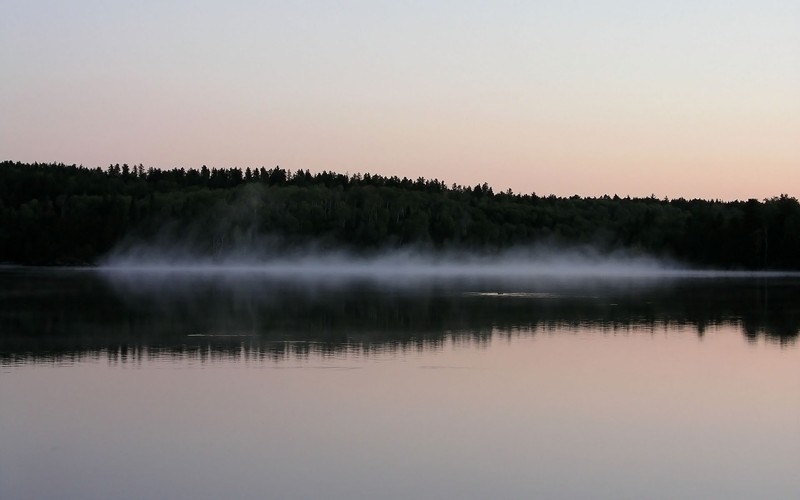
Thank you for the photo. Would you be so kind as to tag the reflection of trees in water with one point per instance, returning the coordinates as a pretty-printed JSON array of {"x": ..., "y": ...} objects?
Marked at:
[
  {"x": 62, "y": 317},
  {"x": 254, "y": 350}
]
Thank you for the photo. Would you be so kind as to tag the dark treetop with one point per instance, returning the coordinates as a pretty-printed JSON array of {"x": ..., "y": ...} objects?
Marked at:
[{"x": 67, "y": 214}]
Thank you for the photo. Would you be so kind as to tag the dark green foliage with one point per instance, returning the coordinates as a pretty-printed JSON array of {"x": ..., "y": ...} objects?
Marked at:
[{"x": 65, "y": 214}]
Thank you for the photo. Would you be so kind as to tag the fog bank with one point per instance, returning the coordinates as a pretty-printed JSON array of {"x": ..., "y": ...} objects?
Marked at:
[{"x": 516, "y": 263}]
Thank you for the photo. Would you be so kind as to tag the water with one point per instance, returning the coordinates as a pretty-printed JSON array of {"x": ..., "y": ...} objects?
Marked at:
[{"x": 121, "y": 385}]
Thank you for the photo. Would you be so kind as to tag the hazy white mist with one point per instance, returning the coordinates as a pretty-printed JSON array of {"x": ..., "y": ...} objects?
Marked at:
[{"x": 523, "y": 262}]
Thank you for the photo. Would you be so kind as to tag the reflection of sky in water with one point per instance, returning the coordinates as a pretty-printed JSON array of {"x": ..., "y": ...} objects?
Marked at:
[
  {"x": 214, "y": 386},
  {"x": 568, "y": 413}
]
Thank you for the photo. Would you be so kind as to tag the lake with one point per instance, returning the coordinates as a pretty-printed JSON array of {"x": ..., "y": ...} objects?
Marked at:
[{"x": 248, "y": 385}]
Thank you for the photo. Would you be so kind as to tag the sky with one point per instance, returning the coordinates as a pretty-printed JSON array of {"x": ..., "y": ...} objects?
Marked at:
[{"x": 676, "y": 99}]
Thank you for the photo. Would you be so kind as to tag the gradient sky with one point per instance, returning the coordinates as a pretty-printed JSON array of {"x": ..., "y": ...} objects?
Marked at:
[{"x": 680, "y": 98}]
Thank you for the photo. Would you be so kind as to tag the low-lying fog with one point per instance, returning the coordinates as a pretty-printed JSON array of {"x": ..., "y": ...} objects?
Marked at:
[{"x": 518, "y": 263}]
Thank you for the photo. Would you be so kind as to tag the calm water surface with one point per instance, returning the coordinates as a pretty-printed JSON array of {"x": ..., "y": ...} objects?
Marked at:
[{"x": 127, "y": 386}]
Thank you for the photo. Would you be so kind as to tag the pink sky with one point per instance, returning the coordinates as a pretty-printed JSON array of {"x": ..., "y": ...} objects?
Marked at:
[{"x": 584, "y": 98}]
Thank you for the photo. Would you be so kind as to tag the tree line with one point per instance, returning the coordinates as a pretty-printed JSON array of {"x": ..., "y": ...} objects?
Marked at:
[{"x": 54, "y": 214}]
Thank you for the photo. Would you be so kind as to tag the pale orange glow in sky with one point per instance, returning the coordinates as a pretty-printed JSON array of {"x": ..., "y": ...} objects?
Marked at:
[{"x": 589, "y": 98}]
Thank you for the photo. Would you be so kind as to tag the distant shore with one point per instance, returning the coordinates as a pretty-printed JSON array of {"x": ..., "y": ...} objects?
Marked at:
[{"x": 67, "y": 215}]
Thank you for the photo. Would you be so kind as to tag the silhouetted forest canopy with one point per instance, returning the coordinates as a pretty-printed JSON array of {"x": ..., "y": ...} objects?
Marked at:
[{"x": 66, "y": 214}]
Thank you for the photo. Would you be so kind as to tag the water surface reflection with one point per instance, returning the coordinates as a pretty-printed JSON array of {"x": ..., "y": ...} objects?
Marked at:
[
  {"x": 66, "y": 315},
  {"x": 249, "y": 387}
]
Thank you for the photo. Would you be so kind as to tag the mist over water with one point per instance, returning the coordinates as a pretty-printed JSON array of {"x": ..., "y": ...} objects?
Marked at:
[{"x": 542, "y": 262}]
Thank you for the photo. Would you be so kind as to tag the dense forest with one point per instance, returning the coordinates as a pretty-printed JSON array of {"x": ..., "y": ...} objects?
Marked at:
[{"x": 55, "y": 214}]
